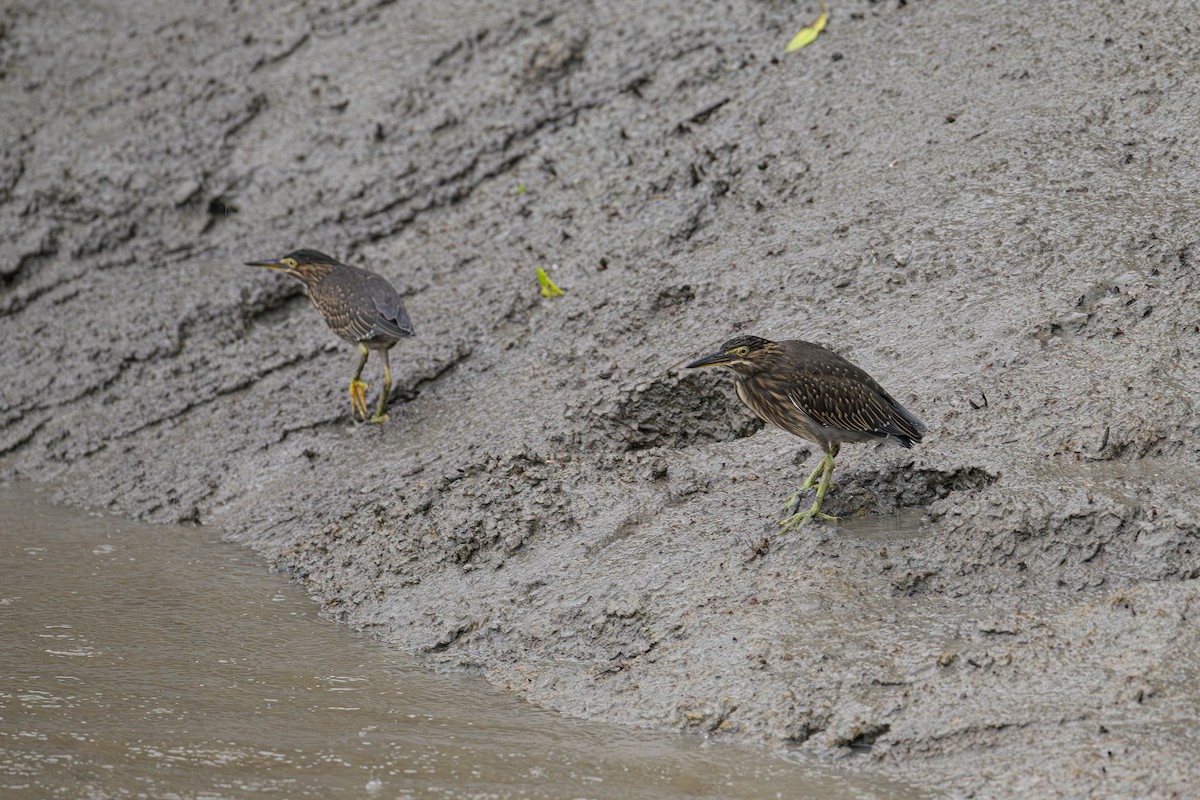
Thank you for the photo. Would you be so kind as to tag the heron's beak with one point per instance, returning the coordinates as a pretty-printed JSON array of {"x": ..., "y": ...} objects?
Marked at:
[
  {"x": 712, "y": 360},
  {"x": 271, "y": 264}
]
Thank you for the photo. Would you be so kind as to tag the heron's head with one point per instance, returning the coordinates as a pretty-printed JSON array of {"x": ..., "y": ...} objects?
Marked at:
[
  {"x": 306, "y": 265},
  {"x": 744, "y": 355}
]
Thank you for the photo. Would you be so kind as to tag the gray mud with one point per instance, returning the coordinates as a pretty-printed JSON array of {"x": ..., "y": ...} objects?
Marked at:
[{"x": 994, "y": 208}]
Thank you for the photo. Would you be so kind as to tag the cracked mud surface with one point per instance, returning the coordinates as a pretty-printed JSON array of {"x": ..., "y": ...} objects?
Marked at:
[{"x": 996, "y": 213}]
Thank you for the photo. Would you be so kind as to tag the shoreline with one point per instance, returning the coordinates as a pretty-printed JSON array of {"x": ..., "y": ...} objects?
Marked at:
[{"x": 993, "y": 215}]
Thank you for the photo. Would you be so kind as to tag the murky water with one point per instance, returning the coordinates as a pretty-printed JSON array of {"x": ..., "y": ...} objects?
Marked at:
[{"x": 158, "y": 662}]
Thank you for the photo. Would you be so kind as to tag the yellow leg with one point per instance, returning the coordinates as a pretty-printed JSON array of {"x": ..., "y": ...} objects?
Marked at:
[
  {"x": 808, "y": 484},
  {"x": 358, "y": 389},
  {"x": 387, "y": 389},
  {"x": 826, "y": 470}
]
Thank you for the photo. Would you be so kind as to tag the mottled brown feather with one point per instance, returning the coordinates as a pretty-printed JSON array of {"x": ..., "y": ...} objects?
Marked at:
[
  {"x": 816, "y": 394},
  {"x": 356, "y": 304}
]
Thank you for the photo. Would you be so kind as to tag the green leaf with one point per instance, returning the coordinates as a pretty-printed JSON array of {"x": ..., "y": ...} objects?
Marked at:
[
  {"x": 548, "y": 287},
  {"x": 808, "y": 35}
]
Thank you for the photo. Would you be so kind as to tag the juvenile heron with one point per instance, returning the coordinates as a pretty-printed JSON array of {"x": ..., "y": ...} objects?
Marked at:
[
  {"x": 817, "y": 395},
  {"x": 357, "y": 305}
]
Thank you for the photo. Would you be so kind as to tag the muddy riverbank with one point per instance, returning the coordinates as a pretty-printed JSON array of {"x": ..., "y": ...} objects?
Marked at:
[
  {"x": 160, "y": 700},
  {"x": 993, "y": 211}
]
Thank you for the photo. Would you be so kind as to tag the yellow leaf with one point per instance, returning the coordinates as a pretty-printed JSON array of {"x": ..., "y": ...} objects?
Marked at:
[
  {"x": 548, "y": 287},
  {"x": 807, "y": 35}
]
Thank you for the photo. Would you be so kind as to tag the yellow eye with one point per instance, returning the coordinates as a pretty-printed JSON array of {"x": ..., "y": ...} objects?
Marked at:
[
  {"x": 290, "y": 263},
  {"x": 742, "y": 351}
]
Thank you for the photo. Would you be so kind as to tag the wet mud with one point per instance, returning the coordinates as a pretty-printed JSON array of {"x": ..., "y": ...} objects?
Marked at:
[{"x": 995, "y": 213}]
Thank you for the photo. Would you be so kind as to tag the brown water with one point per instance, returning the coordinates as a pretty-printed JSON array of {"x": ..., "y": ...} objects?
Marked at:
[{"x": 140, "y": 661}]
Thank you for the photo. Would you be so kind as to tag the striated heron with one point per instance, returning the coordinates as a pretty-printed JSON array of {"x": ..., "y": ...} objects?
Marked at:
[
  {"x": 817, "y": 395},
  {"x": 359, "y": 306}
]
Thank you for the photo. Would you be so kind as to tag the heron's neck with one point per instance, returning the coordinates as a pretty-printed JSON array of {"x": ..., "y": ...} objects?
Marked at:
[{"x": 314, "y": 273}]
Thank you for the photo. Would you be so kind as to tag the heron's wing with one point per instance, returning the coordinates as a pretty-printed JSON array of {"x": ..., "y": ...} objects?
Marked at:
[
  {"x": 845, "y": 398},
  {"x": 393, "y": 318}
]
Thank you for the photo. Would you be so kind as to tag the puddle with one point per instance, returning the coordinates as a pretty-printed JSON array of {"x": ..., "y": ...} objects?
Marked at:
[{"x": 154, "y": 661}]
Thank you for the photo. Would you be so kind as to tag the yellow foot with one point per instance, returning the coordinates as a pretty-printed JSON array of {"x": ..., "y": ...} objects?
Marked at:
[
  {"x": 378, "y": 418},
  {"x": 358, "y": 398},
  {"x": 797, "y": 520},
  {"x": 794, "y": 500}
]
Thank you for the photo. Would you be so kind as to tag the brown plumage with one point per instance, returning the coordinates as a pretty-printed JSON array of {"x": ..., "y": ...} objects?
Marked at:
[
  {"x": 358, "y": 305},
  {"x": 817, "y": 395}
]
